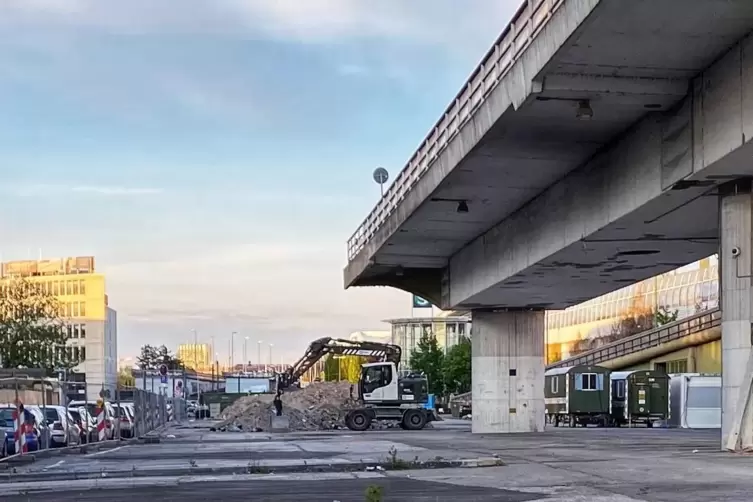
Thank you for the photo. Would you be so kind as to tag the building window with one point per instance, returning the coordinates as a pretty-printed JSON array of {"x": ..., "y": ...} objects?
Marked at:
[
  {"x": 82, "y": 307},
  {"x": 81, "y": 287},
  {"x": 70, "y": 331},
  {"x": 74, "y": 309},
  {"x": 83, "y": 330},
  {"x": 677, "y": 366},
  {"x": 75, "y": 287},
  {"x": 554, "y": 385}
]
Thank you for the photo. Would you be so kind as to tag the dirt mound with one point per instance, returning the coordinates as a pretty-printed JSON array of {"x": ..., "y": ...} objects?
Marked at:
[{"x": 318, "y": 406}]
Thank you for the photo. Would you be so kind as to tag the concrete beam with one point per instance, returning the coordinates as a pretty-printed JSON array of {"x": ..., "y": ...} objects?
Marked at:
[
  {"x": 633, "y": 178},
  {"x": 510, "y": 93},
  {"x": 609, "y": 85}
]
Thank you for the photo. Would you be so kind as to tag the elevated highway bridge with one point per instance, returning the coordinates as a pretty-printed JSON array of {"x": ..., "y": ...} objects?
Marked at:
[{"x": 598, "y": 143}]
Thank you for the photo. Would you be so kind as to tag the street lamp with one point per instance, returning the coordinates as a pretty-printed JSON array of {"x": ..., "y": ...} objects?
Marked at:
[
  {"x": 258, "y": 352},
  {"x": 245, "y": 355},
  {"x": 232, "y": 349},
  {"x": 270, "y": 353}
]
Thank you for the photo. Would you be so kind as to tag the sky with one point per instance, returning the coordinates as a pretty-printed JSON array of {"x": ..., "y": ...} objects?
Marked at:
[{"x": 215, "y": 155}]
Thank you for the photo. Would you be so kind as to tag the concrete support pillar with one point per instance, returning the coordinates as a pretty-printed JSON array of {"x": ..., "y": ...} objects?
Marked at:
[
  {"x": 736, "y": 273},
  {"x": 508, "y": 371}
]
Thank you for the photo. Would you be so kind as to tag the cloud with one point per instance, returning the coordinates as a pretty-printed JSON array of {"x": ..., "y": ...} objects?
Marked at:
[{"x": 35, "y": 190}]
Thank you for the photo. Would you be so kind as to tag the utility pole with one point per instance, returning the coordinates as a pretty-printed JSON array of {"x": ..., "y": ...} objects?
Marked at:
[
  {"x": 245, "y": 354},
  {"x": 232, "y": 350}
]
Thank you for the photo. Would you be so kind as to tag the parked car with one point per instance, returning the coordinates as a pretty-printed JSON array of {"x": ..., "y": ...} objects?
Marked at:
[
  {"x": 81, "y": 419},
  {"x": 91, "y": 408},
  {"x": 8, "y": 426},
  {"x": 40, "y": 425},
  {"x": 125, "y": 420},
  {"x": 63, "y": 429}
]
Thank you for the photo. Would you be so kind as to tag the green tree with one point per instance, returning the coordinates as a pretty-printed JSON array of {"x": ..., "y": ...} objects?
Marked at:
[
  {"x": 457, "y": 367},
  {"x": 32, "y": 332},
  {"x": 665, "y": 316},
  {"x": 152, "y": 357},
  {"x": 428, "y": 358}
]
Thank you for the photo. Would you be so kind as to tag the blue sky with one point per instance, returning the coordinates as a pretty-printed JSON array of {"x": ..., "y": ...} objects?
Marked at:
[{"x": 215, "y": 155}]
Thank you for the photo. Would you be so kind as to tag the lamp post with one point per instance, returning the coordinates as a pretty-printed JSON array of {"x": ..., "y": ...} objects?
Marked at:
[
  {"x": 245, "y": 355},
  {"x": 232, "y": 349},
  {"x": 258, "y": 352},
  {"x": 270, "y": 354}
]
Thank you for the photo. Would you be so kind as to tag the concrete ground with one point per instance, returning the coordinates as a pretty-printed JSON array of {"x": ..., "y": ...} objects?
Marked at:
[{"x": 192, "y": 463}]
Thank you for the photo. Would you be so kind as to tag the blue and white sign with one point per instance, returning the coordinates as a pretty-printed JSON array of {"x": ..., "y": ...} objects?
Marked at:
[
  {"x": 163, "y": 379},
  {"x": 420, "y": 303}
]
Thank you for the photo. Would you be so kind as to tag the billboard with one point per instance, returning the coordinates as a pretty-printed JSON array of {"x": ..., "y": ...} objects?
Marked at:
[{"x": 420, "y": 303}]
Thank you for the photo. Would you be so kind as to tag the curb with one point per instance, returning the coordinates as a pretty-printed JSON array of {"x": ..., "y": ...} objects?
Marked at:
[
  {"x": 152, "y": 436},
  {"x": 399, "y": 465}
]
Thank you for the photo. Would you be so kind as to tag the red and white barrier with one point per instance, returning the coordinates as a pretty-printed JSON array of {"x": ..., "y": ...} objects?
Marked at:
[
  {"x": 20, "y": 430},
  {"x": 101, "y": 423}
]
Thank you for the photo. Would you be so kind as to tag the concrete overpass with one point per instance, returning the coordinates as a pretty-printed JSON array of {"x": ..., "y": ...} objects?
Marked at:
[{"x": 592, "y": 147}]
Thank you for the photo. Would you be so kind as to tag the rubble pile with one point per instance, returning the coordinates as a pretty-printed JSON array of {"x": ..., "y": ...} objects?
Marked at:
[{"x": 318, "y": 406}]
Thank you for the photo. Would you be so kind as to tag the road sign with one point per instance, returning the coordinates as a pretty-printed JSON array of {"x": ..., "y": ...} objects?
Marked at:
[
  {"x": 105, "y": 393},
  {"x": 163, "y": 369},
  {"x": 163, "y": 379}
]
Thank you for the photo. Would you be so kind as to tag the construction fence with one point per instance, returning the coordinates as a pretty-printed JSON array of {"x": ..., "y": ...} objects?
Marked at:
[{"x": 59, "y": 413}]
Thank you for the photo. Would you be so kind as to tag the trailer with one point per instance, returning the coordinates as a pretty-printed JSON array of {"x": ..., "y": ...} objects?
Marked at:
[
  {"x": 639, "y": 397},
  {"x": 577, "y": 395}
]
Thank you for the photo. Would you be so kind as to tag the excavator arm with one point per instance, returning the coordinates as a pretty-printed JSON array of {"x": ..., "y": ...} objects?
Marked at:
[{"x": 338, "y": 346}]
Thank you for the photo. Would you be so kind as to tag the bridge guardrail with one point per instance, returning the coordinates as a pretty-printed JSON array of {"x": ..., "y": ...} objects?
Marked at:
[
  {"x": 530, "y": 18},
  {"x": 645, "y": 340}
]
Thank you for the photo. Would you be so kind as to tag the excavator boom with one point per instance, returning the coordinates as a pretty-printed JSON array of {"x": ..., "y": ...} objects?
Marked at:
[{"x": 338, "y": 346}]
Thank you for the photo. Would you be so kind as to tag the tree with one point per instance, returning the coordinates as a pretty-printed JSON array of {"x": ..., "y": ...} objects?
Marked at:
[
  {"x": 665, "y": 316},
  {"x": 428, "y": 358},
  {"x": 151, "y": 358},
  {"x": 32, "y": 332},
  {"x": 457, "y": 367}
]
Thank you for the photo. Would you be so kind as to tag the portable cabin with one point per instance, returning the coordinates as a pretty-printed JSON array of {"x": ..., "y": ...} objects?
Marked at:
[
  {"x": 639, "y": 396},
  {"x": 695, "y": 401},
  {"x": 577, "y": 395}
]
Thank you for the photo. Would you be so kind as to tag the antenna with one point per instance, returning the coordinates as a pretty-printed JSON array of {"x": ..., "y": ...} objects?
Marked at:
[{"x": 381, "y": 176}]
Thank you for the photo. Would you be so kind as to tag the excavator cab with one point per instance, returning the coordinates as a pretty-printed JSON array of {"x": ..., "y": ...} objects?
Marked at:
[{"x": 378, "y": 382}]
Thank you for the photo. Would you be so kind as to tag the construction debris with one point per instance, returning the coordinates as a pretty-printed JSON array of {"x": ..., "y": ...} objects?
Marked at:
[{"x": 318, "y": 406}]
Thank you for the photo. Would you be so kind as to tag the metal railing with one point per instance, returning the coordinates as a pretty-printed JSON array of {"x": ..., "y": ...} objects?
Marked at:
[
  {"x": 645, "y": 340},
  {"x": 525, "y": 25}
]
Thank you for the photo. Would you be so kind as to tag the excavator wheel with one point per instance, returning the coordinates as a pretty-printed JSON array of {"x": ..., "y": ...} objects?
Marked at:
[
  {"x": 414, "y": 420},
  {"x": 358, "y": 420}
]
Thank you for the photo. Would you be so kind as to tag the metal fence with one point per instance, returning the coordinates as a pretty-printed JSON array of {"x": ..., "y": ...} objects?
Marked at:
[{"x": 59, "y": 413}]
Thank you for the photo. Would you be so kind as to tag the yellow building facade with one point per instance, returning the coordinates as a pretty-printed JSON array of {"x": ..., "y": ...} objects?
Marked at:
[
  {"x": 91, "y": 323},
  {"x": 196, "y": 356}
]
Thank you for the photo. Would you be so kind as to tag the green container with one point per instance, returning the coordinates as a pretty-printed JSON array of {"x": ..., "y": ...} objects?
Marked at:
[
  {"x": 640, "y": 396},
  {"x": 577, "y": 395}
]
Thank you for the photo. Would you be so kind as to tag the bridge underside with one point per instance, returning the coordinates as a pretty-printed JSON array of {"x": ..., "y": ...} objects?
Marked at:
[{"x": 540, "y": 184}]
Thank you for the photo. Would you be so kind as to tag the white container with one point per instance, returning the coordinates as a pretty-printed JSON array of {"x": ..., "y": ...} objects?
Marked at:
[{"x": 695, "y": 401}]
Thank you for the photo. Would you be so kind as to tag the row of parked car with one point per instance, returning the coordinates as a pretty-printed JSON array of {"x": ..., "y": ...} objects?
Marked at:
[{"x": 57, "y": 426}]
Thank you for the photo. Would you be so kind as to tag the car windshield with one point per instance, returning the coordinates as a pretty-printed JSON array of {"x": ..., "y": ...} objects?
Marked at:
[
  {"x": 6, "y": 417},
  {"x": 75, "y": 415}
]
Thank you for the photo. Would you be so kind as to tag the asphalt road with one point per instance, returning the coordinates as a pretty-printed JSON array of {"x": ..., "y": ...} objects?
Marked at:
[{"x": 192, "y": 463}]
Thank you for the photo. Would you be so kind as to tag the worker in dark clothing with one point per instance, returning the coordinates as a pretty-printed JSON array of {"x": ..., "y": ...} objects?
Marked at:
[{"x": 278, "y": 403}]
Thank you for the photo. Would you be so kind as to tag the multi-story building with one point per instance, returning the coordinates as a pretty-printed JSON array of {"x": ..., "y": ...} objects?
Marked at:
[
  {"x": 685, "y": 291},
  {"x": 447, "y": 327},
  {"x": 197, "y": 356},
  {"x": 91, "y": 323}
]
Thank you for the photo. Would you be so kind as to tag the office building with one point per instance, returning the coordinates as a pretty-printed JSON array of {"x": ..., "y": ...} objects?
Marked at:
[
  {"x": 197, "y": 356},
  {"x": 91, "y": 323}
]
